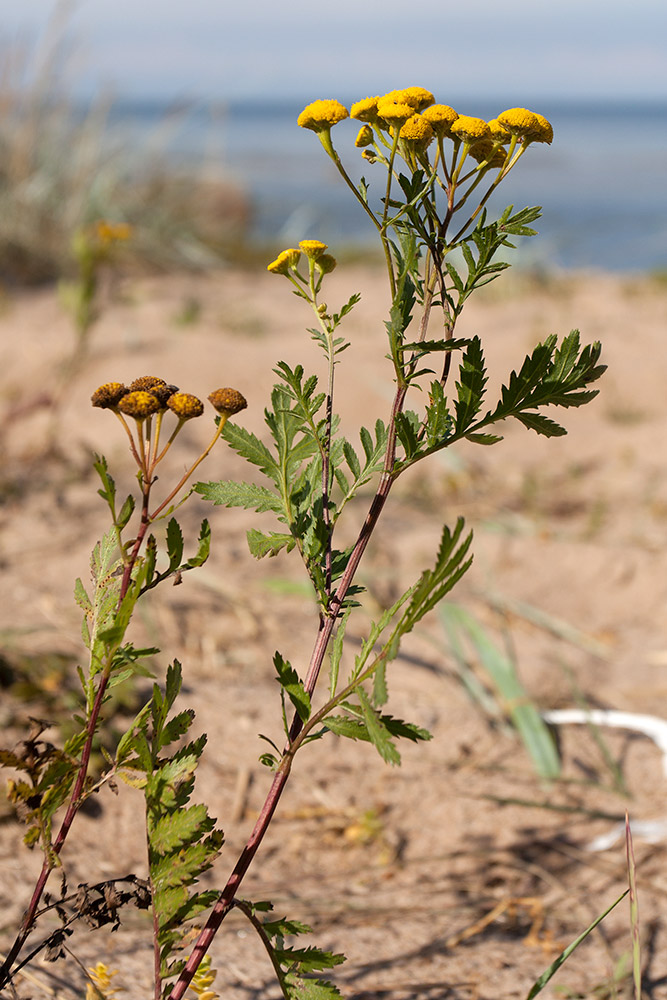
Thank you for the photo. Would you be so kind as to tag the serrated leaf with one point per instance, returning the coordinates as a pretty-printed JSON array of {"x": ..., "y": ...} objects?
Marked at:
[
  {"x": 342, "y": 725},
  {"x": 246, "y": 495},
  {"x": 179, "y": 827},
  {"x": 174, "y": 543},
  {"x": 378, "y": 733},
  {"x": 538, "y": 422},
  {"x": 271, "y": 544}
]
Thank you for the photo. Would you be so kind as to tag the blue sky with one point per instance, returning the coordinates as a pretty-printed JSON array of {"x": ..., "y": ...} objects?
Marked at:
[{"x": 520, "y": 50}]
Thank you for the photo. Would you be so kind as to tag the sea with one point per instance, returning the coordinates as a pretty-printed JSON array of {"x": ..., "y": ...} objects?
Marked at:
[{"x": 602, "y": 185}]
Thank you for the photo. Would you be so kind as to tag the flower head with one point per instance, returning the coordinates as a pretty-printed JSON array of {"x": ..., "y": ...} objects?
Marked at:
[
  {"x": 417, "y": 130},
  {"x": 185, "y": 405},
  {"x": 545, "y": 132},
  {"x": 163, "y": 393},
  {"x": 139, "y": 404},
  {"x": 112, "y": 232},
  {"x": 285, "y": 260},
  {"x": 107, "y": 396},
  {"x": 227, "y": 401},
  {"x": 313, "y": 248},
  {"x": 394, "y": 112},
  {"x": 470, "y": 129},
  {"x": 326, "y": 263},
  {"x": 487, "y": 149},
  {"x": 365, "y": 110},
  {"x": 100, "y": 984},
  {"x": 418, "y": 97},
  {"x": 519, "y": 121},
  {"x": 146, "y": 382},
  {"x": 498, "y": 132},
  {"x": 441, "y": 117},
  {"x": 321, "y": 115},
  {"x": 364, "y": 137}
]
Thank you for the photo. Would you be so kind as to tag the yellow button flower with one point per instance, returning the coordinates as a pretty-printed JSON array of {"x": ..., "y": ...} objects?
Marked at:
[
  {"x": 519, "y": 121},
  {"x": 418, "y": 97},
  {"x": 285, "y": 260},
  {"x": 545, "y": 132},
  {"x": 185, "y": 405},
  {"x": 366, "y": 110},
  {"x": 498, "y": 132},
  {"x": 313, "y": 248},
  {"x": 326, "y": 263},
  {"x": 321, "y": 115},
  {"x": 364, "y": 137},
  {"x": 470, "y": 129},
  {"x": 394, "y": 112},
  {"x": 139, "y": 404},
  {"x": 417, "y": 130},
  {"x": 441, "y": 117}
]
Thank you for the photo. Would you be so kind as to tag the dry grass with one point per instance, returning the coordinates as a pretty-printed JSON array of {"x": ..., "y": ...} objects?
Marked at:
[{"x": 62, "y": 168}]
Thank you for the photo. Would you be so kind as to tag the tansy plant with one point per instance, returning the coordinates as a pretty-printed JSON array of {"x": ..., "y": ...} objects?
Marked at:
[{"x": 435, "y": 171}]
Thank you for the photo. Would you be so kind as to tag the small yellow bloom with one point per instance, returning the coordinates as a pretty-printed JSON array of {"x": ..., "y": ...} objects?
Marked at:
[
  {"x": 394, "y": 112},
  {"x": 100, "y": 985},
  {"x": 185, "y": 405},
  {"x": 109, "y": 395},
  {"x": 519, "y": 121},
  {"x": 313, "y": 248},
  {"x": 285, "y": 260},
  {"x": 112, "y": 232},
  {"x": 227, "y": 401},
  {"x": 321, "y": 115},
  {"x": 417, "y": 130},
  {"x": 139, "y": 404},
  {"x": 203, "y": 979},
  {"x": 498, "y": 132},
  {"x": 545, "y": 132},
  {"x": 366, "y": 110},
  {"x": 470, "y": 129},
  {"x": 418, "y": 97},
  {"x": 326, "y": 263},
  {"x": 364, "y": 137},
  {"x": 441, "y": 117}
]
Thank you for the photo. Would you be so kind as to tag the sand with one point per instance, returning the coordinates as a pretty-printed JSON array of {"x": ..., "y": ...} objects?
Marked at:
[{"x": 433, "y": 878}]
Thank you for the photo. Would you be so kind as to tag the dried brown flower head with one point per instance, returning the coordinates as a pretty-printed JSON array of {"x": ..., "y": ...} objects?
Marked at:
[
  {"x": 227, "y": 401},
  {"x": 108, "y": 395},
  {"x": 146, "y": 382},
  {"x": 163, "y": 392}
]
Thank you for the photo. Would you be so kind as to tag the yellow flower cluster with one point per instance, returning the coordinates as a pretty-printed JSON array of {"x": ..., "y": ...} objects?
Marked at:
[
  {"x": 413, "y": 107},
  {"x": 112, "y": 232},
  {"x": 285, "y": 261}
]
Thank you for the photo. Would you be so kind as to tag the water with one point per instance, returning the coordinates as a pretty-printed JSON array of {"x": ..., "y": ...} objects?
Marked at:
[{"x": 601, "y": 185}]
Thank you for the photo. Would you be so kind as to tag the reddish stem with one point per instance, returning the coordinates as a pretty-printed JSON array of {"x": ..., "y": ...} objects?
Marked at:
[{"x": 226, "y": 898}]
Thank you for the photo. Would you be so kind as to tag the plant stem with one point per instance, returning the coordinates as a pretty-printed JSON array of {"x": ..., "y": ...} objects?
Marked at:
[
  {"x": 76, "y": 799},
  {"x": 327, "y": 623}
]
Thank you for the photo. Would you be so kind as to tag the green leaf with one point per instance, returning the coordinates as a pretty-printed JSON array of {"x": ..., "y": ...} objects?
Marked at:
[
  {"x": 174, "y": 543},
  {"x": 292, "y": 685},
  {"x": 251, "y": 448},
  {"x": 377, "y": 731},
  {"x": 343, "y": 725},
  {"x": 261, "y": 545},
  {"x": 126, "y": 512},
  {"x": 543, "y": 425},
  {"x": 247, "y": 495},
  {"x": 203, "y": 546},
  {"x": 470, "y": 387},
  {"x": 434, "y": 584},
  {"x": 180, "y": 827}
]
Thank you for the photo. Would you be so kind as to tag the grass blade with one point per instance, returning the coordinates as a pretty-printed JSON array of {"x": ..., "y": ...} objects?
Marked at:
[
  {"x": 634, "y": 911},
  {"x": 539, "y": 985}
]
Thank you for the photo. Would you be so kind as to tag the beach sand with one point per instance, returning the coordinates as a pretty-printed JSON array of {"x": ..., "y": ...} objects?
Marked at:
[{"x": 396, "y": 867}]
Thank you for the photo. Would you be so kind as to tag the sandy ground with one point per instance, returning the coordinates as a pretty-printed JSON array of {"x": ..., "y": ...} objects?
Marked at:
[{"x": 396, "y": 867}]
